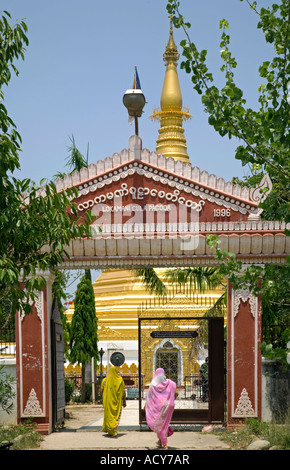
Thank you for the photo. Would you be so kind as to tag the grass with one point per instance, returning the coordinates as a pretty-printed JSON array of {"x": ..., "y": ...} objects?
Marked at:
[
  {"x": 277, "y": 434},
  {"x": 23, "y": 436}
]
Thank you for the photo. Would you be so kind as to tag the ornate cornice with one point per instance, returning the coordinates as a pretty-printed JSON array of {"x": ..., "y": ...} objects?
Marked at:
[
  {"x": 244, "y": 407},
  {"x": 159, "y": 261},
  {"x": 32, "y": 407},
  {"x": 105, "y": 332},
  {"x": 173, "y": 181},
  {"x": 245, "y": 295},
  {"x": 38, "y": 303}
]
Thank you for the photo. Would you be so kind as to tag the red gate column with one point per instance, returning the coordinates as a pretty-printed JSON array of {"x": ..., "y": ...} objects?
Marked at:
[
  {"x": 33, "y": 361},
  {"x": 244, "y": 356}
]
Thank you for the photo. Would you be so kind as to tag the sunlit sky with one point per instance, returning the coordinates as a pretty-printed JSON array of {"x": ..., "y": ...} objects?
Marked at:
[{"x": 80, "y": 61}]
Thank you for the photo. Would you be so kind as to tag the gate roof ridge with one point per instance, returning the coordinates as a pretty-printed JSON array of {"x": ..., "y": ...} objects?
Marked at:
[
  {"x": 174, "y": 170},
  {"x": 135, "y": 156}
]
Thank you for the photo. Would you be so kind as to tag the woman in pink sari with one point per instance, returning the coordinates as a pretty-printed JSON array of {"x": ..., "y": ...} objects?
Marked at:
[{"x": 160, "y": 405}]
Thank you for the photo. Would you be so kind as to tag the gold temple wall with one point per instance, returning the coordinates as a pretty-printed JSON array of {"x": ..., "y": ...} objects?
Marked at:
[
  {"x": 124, "y": 369},
  {"x": 119, "y": 295},
  {"x": 121, "y": 299}
]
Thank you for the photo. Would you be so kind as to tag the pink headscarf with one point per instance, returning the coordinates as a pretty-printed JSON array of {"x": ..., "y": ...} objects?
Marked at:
[{"x": 160, "y": 405}]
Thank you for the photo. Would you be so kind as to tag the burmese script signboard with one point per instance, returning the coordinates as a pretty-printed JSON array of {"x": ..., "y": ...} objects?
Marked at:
[
  {"x": 138, "y": 199},
  {"x": 174, "y": 334}
]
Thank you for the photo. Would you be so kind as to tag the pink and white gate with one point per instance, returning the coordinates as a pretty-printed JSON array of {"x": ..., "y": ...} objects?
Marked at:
[{"x": 155, "y": 211}]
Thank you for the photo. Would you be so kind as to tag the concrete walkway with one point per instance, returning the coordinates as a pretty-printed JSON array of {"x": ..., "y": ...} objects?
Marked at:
[{"x": 91, "y": 437}]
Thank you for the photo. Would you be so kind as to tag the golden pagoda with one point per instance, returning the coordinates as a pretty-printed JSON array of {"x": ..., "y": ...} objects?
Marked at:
[
  {"x": 171, "y": 141},
  {"x": 121, "y": 298}
]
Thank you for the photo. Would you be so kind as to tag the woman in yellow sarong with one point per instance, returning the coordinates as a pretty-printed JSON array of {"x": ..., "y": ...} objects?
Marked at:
[{"x": 114, "y": 397}]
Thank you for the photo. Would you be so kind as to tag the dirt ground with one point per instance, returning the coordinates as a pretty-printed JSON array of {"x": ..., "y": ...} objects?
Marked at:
[{"x": 80, "y": 415}]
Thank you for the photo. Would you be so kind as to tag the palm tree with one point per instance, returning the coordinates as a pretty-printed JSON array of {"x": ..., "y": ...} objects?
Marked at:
[
  {"x": 151, "y": 280},
  {"x": 200, "y": 278},
  {"x": 75, "y": 160}
]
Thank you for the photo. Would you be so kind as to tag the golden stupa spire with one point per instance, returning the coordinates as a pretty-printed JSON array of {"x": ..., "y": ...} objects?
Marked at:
[{"x": 171, "y": 141}]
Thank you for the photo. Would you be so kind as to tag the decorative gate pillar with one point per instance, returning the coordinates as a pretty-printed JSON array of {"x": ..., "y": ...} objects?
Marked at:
[
  {"x": 244, "y": 356},
  {"x": 33, "y": 362}
]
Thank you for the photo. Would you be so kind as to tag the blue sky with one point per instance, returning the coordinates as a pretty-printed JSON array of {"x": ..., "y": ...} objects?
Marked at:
[{"x": 81, "y": 60}]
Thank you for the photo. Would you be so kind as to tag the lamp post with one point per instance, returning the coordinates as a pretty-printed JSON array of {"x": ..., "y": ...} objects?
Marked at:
[
  {"x": 134, "y": 101},
  {"x": 101, "y": 352}
]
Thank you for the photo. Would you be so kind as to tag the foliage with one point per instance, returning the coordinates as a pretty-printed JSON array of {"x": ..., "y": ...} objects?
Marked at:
[
  {"x": 13, "y": 41},
  {"x": 199, "y": 278},
  {"x": 263, "y": 133},
  {"x": 280, "y": 351},
  {"x": 75, "y": 159},
  {"x": 219, "y": 309},
  {"x": 151, "y": 280},
  {"x": 277, "y": 434},
  {"x": 83, "y": 338},
  {"x": 36, "y": 223},
  {"x": 7, "y": 392},
  {"x": 275, "y": 291},
  {"x": 83, "y": 330},
  {"x": 276, "y": 295},
  {"x": 34, "y": 235},
  {"x": 231, "y": 268},
  {"x": 7, "y": 319},
  {"x": 88, "y": 391},
  {"x": 23, "y": 436},
  {"x": 273, "y": 283},
  {"x": 69, "y": 389}
]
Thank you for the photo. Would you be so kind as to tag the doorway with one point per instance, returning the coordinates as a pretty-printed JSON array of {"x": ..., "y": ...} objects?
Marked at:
[
  {"x": 167, "y": 359},
  {"x": 191, "y": 352}
]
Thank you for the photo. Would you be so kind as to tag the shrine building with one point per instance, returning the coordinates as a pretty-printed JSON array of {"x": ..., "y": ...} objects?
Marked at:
[{"x": 119, "y": 297}]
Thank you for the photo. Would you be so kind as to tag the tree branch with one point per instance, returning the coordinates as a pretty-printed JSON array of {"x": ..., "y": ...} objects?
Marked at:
[{"x": 278, "y": 168}]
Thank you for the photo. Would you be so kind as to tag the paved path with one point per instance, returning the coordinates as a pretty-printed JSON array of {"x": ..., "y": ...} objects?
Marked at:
[
  {"x": 91, "y": 437},
  {"x": 129, "y": 440}
]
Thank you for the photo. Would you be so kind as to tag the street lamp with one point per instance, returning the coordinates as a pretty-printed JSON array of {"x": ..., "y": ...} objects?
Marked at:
[
  {"x": 134, "y": 101},
  {"x": 101, "y": 352}
]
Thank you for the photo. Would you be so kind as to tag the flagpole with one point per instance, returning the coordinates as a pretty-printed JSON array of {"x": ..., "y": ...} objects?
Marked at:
[{"x": 136, "y": 119}]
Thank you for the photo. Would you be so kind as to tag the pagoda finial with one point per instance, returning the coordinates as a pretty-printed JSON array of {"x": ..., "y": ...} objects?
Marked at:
[
  {"x": 171, "y": 141},
  {"x": 171, "y": 54}
]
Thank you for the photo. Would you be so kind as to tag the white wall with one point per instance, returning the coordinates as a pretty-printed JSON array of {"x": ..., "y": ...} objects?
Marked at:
[{"x": 10, "y": 368}]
